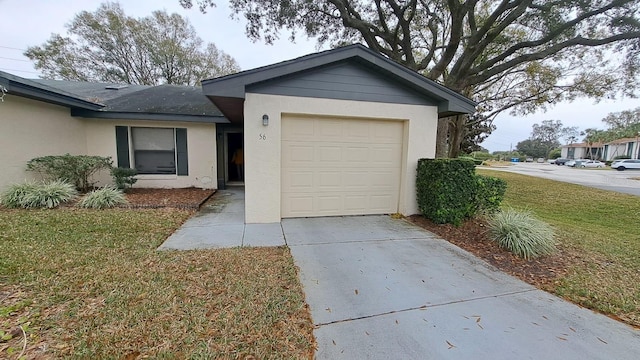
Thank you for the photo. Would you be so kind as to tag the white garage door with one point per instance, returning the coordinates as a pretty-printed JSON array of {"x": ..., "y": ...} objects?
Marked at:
[{"x": 336, "y": 166}]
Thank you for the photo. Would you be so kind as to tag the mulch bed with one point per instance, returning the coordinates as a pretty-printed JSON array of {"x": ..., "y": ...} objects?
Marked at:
[
  {"x": 187, "y": 198},
  {"x": 472, "y": 236}
]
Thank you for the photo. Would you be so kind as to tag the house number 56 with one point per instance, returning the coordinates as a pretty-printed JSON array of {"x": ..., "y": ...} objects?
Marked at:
[{"x": 263, "y": 137}]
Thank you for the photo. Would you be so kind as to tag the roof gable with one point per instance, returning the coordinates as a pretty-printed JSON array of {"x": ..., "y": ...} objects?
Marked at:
[
  {"x": 346, "y": 80},
  {"x": 237, "y": 85}
]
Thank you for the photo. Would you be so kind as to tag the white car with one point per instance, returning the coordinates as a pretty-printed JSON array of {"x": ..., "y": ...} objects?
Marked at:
[
  {"x": 625, "y": 164},
  {"x": 592, "y": 164},
  {"x": 576, "y": 162}
]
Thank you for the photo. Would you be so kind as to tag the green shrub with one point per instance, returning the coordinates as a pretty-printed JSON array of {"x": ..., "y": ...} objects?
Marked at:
[
  {"x": 446, "y": 189},
  {"x": 449, "y": 191},
  {"x": 13, "y": 197},
  {"x": 124, "y": 177},
  {"x": 42, "y": 195},
  {"x": 555, "y": 153},
  {"x": 106, "y": 197},
  {"x": 521, "y": 233},
  {"x": 75, "y": 169},
  {"x": 621, "y": 157},
  {"x": 490, "y": 193}
]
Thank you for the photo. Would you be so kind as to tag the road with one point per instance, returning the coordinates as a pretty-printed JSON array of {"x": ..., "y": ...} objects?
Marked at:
[{"x": 620, "y": 181}]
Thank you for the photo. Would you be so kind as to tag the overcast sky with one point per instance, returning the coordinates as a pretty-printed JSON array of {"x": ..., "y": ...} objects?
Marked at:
[{"x": 26, "y": 23}]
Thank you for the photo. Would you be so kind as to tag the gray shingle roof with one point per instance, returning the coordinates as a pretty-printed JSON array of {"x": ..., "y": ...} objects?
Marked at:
[
  {"x": 19, "y": 86},
  {"x": 127, "y": 98}
]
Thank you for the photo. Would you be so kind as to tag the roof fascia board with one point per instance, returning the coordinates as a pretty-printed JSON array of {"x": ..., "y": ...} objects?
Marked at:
[
  {"x": 36, "y": 93},
  {"x": 149, "y": 116}
]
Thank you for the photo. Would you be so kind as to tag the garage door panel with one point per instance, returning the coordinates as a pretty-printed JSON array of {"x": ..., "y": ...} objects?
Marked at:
[
  {"x": 299, "y": 182},
  {"x": 387, "y": 132},
  {"x": 298, "y": 152},
  {"x": 380, "y": 202},
  {"x": 357, "y": 131},
  {"x": 381, "y": 180},
  {"x": 299, "y": 130},
  {"x": 354, "y": 180},
  {"x": 329, "y": 203},
  {"x": 358, "y": 154},
  {"x": 386, "y": 155},
  {"x": 298, "y": 205},
  {"x": 328, "y": 128},
  {"x": 356, "y": 203},
  {"x": 328, "y": 154},
  {"x": 353, "y": 167},
  {"x": 329, "y": 180}
]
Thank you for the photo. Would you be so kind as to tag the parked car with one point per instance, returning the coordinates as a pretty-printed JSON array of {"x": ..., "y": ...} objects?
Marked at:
[
  {"x": 560, "y": 161},
  {"x": 540, "y": 160},
  {"x": 576, "y": 162},
  {"x": 625, "y": 164},
  {"x": 529, "y": 159},
  {"x": 592, "y": 164}
]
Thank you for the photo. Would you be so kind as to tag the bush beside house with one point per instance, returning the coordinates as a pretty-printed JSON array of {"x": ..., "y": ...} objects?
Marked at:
[
  {"x": 75, "y": 169},
  {"x": 449, "y": 191}
]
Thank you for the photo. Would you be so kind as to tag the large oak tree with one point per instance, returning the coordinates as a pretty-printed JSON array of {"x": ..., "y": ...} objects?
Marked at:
[
  {"x": 509, "y": 55},
  {"x": 107, "y": 45}
]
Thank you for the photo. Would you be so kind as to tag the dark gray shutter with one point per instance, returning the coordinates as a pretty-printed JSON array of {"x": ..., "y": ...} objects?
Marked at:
[
  {"x": 181, "y": 151},
  {"x": 122, "y": 146}
]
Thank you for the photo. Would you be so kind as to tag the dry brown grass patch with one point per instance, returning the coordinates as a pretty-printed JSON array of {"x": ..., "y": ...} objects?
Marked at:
[{"x": 92, "y": 285}]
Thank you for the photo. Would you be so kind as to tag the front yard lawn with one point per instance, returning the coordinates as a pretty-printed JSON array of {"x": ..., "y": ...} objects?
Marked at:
[
  {"x": 597, "y": 230},
  {"x": 90, "y": 284}
]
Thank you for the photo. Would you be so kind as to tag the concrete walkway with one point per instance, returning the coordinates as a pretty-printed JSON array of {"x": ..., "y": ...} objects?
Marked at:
[
  {"x": 220, "y": 224},
  {"x": 380, "y": 288}
]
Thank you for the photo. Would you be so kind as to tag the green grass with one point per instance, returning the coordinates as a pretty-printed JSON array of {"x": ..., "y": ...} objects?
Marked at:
[
  {"x": 600, "y": 228},
  {"x": 90, "y": 284}
]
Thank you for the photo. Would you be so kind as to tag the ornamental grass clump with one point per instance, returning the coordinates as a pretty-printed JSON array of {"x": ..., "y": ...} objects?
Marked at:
[
  {"x": 521, "y": 233},
  {"x": 106, "y": 197},
  {"x": 13, "y": 197},
  {"x": 46, "y": 194}
]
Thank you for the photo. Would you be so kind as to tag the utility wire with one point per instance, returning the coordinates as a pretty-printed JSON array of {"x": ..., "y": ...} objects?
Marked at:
[
  {"x": 6, "y": 58},
  {"x": 12, "y": 48}
]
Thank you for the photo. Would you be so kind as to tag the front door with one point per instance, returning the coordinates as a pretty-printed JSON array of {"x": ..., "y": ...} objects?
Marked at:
[{"x": 234, "y": 158}]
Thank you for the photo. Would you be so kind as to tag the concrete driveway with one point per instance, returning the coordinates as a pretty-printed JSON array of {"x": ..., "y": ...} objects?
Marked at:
[{"x": 381, "y": 288}]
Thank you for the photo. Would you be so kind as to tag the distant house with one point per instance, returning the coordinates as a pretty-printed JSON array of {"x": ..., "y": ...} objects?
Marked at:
[
  {"x": 338, "y": 132},
  {"x": 583, "y": 151},
  {"x": 627, "y": 147}
]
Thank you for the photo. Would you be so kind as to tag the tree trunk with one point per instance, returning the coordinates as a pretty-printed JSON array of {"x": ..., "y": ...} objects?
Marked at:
[
  {"x": 442, "y": 137},
  {"x": 457, "y": 134}
]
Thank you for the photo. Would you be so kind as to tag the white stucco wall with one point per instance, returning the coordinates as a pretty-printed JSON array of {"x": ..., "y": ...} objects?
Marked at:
[
  {"x": 30, "y": 129},
  {"x": 201, "y": 148},
  {"x": 263, "y": 145}
]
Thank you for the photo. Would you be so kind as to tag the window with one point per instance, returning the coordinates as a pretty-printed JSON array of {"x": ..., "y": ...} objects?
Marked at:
[{"x": 156, "y": 151}]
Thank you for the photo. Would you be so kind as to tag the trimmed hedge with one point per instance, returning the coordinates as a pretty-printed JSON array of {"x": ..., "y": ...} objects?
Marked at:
[
  {"x": 449, "y": 191},
  {"x": 446, "y": 189},
  {"x": 490, "y": 193}
]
